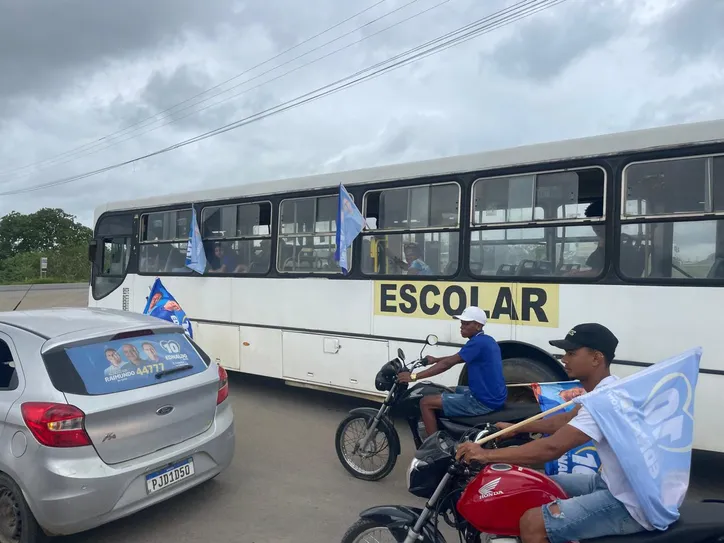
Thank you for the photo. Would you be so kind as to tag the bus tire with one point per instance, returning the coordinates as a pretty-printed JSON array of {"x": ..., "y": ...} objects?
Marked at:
[
  {"x": 527, "y": 370},
  {"x": 519, "y": 370}
]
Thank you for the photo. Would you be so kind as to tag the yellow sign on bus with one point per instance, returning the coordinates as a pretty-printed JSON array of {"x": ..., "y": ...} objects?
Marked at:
[{"x": 525, "y": 304}]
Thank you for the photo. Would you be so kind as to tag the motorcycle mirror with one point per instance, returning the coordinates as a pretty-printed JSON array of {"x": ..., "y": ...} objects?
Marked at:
[
  {"x": 401, "y": 354},
  {"x": 431, "y": 339}
]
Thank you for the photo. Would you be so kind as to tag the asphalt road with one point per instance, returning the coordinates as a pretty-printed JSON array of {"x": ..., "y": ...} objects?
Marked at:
[{"x": 286, "y": 484}]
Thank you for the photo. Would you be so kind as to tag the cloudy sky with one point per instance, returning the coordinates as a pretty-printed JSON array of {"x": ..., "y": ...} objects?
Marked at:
[{"x": 73, "y": 72}]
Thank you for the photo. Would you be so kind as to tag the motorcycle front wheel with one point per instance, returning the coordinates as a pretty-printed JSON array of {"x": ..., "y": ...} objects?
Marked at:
[
  {"x": 368, "y": 531},
  {"x": 376, "y": 461}
]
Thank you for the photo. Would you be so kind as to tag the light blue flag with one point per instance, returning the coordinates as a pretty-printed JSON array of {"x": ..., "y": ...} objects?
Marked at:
[
  {"x": 195, "y": 254},
  {"x": 648, "y": 420},
  {"x": 350, "y": 223}
]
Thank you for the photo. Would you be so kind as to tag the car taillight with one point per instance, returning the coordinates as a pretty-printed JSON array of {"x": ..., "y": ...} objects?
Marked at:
[
  {"x": 223, "y": 386},
  {"x": 56, "y": 425}
]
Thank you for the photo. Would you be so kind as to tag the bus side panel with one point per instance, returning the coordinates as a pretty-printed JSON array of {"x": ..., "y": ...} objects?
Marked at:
[
  {"x": 261, "y": 351},
  {"x": 313, "y": 303},
  {"x": 652, "y": 323},
  {"x": 333, "y": 360},
  {"x": 220, "y": 341}
]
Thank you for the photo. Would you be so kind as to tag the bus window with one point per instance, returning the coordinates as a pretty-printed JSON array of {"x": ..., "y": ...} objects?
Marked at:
[
  {"x": 164, "y": 236},
  {"x": 545, "y": 224},
  {"x": 307, "y": 236},
  {"x": 668, "y": 231},
  {"x": 413, "y": 230},
  {"x": 237, "y": 238},
  {"x": 113, "y": 236}
]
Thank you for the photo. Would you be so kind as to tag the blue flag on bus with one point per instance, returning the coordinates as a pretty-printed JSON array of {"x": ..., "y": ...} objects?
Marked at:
[
  {"x": 648, "y": 420},
  {"x": 581, "y": 459},
  {"x": 195, "y": 254},
  {"x": 161, "y": 304},
  {"x": 350, "y": 223}
]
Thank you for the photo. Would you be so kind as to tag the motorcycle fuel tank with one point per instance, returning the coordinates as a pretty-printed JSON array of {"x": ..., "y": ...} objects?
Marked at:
[
  {"x": 497, "y": 497},
  {"x": 409, "y": 404}
]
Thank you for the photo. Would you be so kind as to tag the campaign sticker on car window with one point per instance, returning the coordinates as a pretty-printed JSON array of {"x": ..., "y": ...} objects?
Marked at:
[{"x": 126, "y": 364}]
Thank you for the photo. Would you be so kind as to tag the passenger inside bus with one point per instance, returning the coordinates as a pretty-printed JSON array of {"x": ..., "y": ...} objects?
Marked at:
[
  {"x": 597, "y": 259},
  {"x": 258, "y": 262},
  {"x": 415, "y": 264},
  {"x": 222, "y": 261}
]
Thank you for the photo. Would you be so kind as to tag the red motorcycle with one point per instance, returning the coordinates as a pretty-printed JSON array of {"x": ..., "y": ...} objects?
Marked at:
[{"x": 485, "y": 505}]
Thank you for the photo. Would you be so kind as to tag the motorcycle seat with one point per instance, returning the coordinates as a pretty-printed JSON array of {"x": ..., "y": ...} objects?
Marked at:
[
  {"x": 511, "y": 412},
  {"x": 698, "y": 522}
]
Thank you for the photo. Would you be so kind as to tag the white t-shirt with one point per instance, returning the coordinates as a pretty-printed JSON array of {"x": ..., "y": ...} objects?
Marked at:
[{"x": 611, "y": 471}]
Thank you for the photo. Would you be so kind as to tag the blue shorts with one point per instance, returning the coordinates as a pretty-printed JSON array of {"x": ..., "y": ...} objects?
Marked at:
[
  {"x": 591, "y": 511},
  {"x": 463, "y": 404}
]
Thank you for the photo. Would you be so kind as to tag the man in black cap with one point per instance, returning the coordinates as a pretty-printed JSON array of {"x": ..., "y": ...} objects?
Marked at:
[{"x": 599, "y": 504}]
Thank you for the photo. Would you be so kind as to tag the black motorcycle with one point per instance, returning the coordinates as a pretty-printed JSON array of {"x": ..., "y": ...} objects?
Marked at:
[
  {"x": 443, "y": 482},
  {"x": 370, "y": 435}
]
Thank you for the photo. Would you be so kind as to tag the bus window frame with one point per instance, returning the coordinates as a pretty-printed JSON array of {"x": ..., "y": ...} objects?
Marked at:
[
  {"x": 685, "y": 215},
  {"x": 141, "y": 243},
  {"x": 622, "y": 220},
  {"x": 605, "y": 220},
  {"x": 279, "y": 236},
  {"x": 96, "y": 265},
  {"x": 270, "y": 236},
  {"x": 459, "y": 228}
]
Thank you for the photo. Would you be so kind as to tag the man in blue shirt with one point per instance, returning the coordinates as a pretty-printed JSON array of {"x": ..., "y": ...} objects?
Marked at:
[{"x": 486, "y": 391}]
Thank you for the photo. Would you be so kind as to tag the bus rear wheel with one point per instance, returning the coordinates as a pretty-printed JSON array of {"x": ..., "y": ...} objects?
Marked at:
[
  {"x": 521, "y": 370},
  {"x": 527, "y": 370}
]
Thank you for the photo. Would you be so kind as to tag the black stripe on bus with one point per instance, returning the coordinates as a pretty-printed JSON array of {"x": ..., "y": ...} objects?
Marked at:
[{"x": 401, "y": 339}]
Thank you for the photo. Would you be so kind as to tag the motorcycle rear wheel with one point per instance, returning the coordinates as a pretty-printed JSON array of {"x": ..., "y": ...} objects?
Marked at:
[
  {"x": 345, "y": 456},
  {"x": 363, "y": 531}
]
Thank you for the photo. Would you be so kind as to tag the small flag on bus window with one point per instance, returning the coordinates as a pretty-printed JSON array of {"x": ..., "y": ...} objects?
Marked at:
[
  {"x": 195, "y": 255},
  {"x": 350, "y": 223}
]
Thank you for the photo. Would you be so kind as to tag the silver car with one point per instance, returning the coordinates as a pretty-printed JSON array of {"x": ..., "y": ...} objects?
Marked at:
[{"x": 103, "y": 413}]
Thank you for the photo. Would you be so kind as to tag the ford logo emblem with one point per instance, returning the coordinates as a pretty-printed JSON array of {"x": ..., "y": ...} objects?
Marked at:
[{"x": 165, "y": 410}]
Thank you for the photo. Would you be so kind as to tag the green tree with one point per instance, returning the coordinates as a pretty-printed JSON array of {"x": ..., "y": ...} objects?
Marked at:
[
  {"x": 46, "y": 230},
  {"x": 50, "y": 233}
]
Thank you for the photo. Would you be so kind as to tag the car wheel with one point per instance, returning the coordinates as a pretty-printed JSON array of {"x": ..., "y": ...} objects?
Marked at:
[{"x": 17, "y": 523}]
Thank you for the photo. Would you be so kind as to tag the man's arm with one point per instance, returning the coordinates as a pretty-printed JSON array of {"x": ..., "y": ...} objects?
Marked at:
[
  {"x": 549, "y": 425},
  {"x": 439, "y": 366},
  {"x": 533, "y": 453}
]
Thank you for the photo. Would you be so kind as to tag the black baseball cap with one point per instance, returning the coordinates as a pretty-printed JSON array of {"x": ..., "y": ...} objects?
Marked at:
[{"x": 592, "y": 335}]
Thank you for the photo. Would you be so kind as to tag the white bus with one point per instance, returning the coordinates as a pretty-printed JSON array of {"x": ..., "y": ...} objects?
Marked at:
[{"x": 624, "y": 229}]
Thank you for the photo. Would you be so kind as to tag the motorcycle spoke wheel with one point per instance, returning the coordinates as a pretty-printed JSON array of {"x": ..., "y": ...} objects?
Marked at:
[
  {"x": 368, "y": 531},
  {"x": 373, "y": 458},
  {"x": 376, "y": 535},
  {"x": 373, "y": 463}
]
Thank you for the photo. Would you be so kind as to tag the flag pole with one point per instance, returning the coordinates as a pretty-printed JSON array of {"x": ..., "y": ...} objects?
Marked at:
[{"x": 514, "y": 427}]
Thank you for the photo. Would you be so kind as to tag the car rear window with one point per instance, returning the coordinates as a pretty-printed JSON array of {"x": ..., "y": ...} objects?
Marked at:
[{"x": 117, "y": 365}]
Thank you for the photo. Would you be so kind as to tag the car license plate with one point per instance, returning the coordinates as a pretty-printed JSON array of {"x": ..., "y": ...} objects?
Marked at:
[{"x": 169, "y": 476}]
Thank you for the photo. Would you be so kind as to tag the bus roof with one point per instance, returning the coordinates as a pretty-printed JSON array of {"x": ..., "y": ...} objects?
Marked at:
[{"x": 607, "y": 144}]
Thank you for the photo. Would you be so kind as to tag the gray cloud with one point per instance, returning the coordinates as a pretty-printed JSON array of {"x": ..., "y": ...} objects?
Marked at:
[
  {"x": 577, "y": 72},
  {"x": 690, "y": 31},
  {"x": 47, "y": 45},
  {"x": 544, "y": 46}
]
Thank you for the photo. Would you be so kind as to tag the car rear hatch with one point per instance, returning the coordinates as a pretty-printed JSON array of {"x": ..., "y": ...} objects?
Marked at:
[{"x": 140, "y": 391}]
